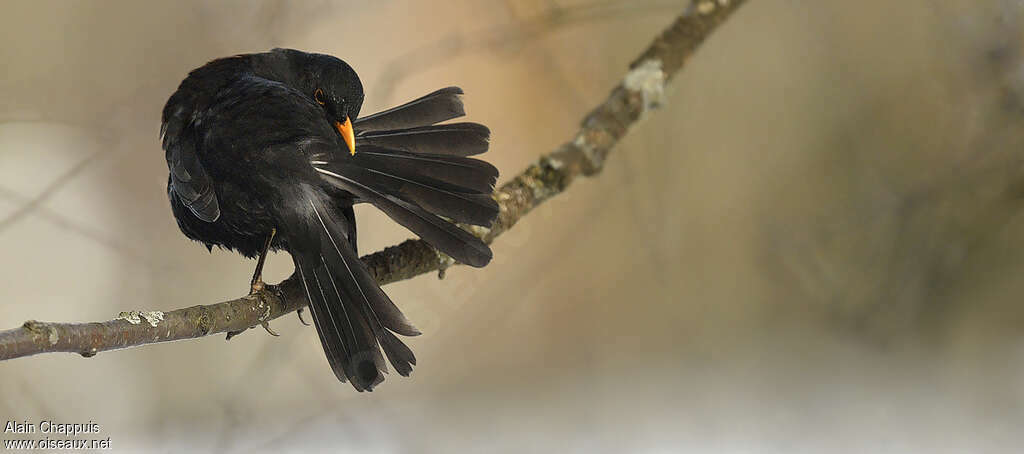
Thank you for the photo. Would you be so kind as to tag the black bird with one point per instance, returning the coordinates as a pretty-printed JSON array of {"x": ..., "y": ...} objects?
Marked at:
[{"x": 267, "y": 151}]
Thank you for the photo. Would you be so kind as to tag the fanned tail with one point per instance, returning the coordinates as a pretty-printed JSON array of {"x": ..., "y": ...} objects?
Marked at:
[
  {"x": 455, "y": 187},
  {"x": 417, "y": 171},
  {"x": 353, "y": 316},
  {"x": 451, "y": 139},
  {"x": 441, "y": 105},
  {"x": 452, "y": 172},
  {"x": 444, "y": 235}
]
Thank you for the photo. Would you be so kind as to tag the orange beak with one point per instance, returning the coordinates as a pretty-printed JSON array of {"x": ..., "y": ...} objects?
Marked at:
[{"x": 348, "y": 134}]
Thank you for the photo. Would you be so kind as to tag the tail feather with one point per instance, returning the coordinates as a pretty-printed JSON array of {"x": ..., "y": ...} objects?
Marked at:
[
  {"x": 457, "y": 173},
  {"x": 445, "y": 236},
  {"x": 333, "y": 240},
  {"x": 352, "y": 314},
  {"x": 416, "y": 172},
  {"x": 452, "y": 139},
  {"x": 399, "y": 354},
  {"x": 335, "y": 347},
  {"x": 441, "y": 105},
  {"x": 437, "y": 197},
  {"x": 361, "y": 327},
  {"x": 474, "y": 209}
]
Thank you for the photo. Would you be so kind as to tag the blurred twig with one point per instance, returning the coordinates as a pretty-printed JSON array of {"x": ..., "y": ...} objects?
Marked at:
[
  {"x": 890, "y": 257},
  {"x": 48, "y": 191},
  {"x": 583, "y": 155},
  {"x": 510, "y": 38},
  {"x": 62, "y": 221}
]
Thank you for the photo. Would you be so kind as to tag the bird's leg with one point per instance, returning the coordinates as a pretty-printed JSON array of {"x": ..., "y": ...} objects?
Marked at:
[
  {"x": 257, "y": 285},
  {"x": 257, "y": 276},
  {"x": 257, "y": 281}
]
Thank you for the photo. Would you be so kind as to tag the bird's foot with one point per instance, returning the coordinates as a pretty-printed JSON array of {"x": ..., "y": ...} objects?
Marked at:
[
  {"x": 299, "y": 313},
  {"x": 257, "y": 286},
  {"x": 266, "y": 326}
]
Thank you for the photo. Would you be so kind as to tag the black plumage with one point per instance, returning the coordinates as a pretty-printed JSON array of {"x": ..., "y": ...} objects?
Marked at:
[{"x": 272, "y": 142}]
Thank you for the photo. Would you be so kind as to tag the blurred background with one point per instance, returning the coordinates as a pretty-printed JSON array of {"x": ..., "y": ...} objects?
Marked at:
[{"x": 813, "y": 247}]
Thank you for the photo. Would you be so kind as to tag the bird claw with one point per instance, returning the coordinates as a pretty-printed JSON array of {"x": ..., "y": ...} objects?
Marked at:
[
  {"x": 299, "y": 313},
  {"x": 266, "y": 326}
]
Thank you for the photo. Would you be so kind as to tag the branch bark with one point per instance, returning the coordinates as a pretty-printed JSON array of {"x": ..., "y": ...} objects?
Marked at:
[{"x": 640, "y": 91}]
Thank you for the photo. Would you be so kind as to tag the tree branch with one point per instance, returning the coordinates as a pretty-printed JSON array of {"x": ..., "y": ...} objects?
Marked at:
[{"x": 640, "y": 91}]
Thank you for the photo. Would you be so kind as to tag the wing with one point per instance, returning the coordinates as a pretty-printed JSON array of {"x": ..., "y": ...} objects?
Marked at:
[
  {"x": 237, "y": 131},
  {"x": 189, "y": 181}
]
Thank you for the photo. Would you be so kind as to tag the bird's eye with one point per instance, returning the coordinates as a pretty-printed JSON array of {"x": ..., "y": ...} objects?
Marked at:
[{"x": 318, "y": 95}]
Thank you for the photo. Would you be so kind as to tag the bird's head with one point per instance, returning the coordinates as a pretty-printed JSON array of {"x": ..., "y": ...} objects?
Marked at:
[{"x": 329, "y": 82}]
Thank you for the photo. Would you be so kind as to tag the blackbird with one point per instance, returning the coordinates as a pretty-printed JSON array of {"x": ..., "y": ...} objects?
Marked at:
[{"x": 267, "y": 151}]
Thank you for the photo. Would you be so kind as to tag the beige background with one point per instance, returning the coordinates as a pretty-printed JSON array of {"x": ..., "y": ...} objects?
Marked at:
[{"x": 813, "y": 247}]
